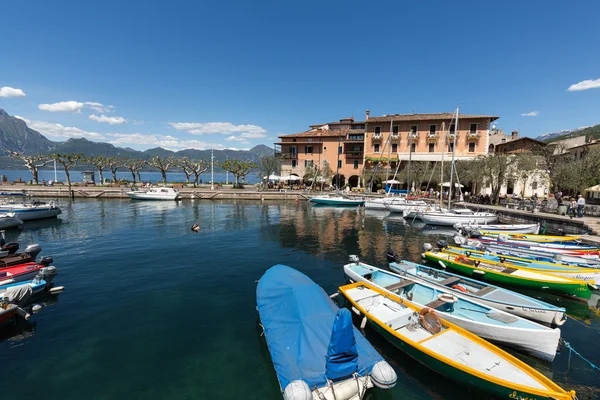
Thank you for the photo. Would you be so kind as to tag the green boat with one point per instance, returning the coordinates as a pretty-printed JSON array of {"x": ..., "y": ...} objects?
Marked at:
[
  {"x": 512, "y": 275},
  {"x": 448, "y": 349}
]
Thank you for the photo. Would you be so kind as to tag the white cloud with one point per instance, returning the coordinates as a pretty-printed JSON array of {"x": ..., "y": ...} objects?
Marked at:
[
  {"x": 165, "y": 141},
  {"x": 75, "y": 106},
  {"x": 253, "y": 135},
  {"x": 585, "y": 85},
  {"x": 237, "y": 139},
  {"x": 531, "y": 114},
  {"x": 224, "y": 128},
  {"x": 7, "y": 91},
  {"x": 60, "y": 131},
  {"x": 108, "y": 120},
  {"x": 138, "y": 122}
]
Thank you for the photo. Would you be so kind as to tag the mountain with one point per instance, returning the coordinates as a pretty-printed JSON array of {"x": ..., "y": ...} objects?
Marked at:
[
  {"x": 593, "y": 131},
  {"x": 16, "y": 136}
]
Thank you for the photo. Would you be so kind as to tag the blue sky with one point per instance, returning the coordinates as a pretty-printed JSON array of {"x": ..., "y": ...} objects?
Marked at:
[{"x": 239, "y": 73}]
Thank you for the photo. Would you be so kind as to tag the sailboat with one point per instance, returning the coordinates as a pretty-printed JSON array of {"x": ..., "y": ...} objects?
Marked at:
[{"x": 451, "y": 216}]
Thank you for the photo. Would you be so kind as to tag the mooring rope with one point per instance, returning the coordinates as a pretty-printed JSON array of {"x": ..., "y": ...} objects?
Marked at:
[{"x": 572, "y": 350}]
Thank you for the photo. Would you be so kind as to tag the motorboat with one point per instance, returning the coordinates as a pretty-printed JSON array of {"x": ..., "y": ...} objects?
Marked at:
[
  {"x": 390, "y": 203},
  {"x": 10, "y": 257},
  {"x": 31, "y": 210},
  {"x": 37, "y": 285},
  {"x": 510, "y": 228},
  {"x": 28, "y": 271},
  {"x": 482, "y": 292},
  {"x": 448, "y": 349},
  {"x": 413, "y": 213},
  {"x": 512, "y": 275},
  {"x": 158, "y": 193},
  {"x": 336, "y": 200},
  {"x": 451, "y": 217},
  {"x": 7, "y": 311},
  {"x": 10, "y": 220},
  {"x": 316, "y": 351},
  {"x": 482, "y": 320}
]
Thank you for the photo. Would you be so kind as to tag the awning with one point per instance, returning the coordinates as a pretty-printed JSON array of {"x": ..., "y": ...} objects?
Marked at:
[
  {"x": 290, "y": 178},
  {"x": 272, "y": 177},
  {"x": 392, "y": 181},
  {"x": 447, "y": 184},
  {"x": 593, "y": 189}
]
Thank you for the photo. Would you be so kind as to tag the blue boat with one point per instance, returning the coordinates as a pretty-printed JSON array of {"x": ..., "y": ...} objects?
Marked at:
[
  {"x": 336, "y": 200},
  {"x": 389, "y": 189},
  {"x": 37, "y": 285},
  {"x": 314, "y": 346}
]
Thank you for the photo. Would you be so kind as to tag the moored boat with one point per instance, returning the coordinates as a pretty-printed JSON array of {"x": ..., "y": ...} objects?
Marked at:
[
  {"x": 336, "y": 200},
  {"x": 158, "y": 193},
  {"x": 7, "y": 311},
  {"x": 489, "y": 323},
  {"x": 448, "y": 349},
  {"x": 534, "y": 238},
  {"x": 512, "y": 276},
  {"x": 27, "y": 271},
  {"x": 485, "y": 293},
  {"x": 31, "y": 210},
  {"x": 401, "y": 206},
  {"x": 316, "y": 352},
  {"x": 10, "y": 220},
  {"x": 451, "y": 217},
  {"x": 513, "y": 228},
  {"x": 37, "y": 285}
]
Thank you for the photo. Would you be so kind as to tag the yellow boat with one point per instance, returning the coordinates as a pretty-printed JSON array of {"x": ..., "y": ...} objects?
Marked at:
[
  {"x": 533, "y": 238},
  {"x": 448, "y": 349}
]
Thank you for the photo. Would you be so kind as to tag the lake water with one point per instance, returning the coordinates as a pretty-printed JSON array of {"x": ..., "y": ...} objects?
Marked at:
[{"x": 152, "y": 310}]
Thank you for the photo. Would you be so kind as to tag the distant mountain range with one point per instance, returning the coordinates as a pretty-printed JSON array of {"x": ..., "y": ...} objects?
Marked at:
[
  {"x": 15, "y": 135},
  {"x": 593, "y": 131}
]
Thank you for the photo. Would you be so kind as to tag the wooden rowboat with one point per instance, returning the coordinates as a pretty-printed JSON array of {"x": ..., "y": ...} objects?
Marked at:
[{"x": 448, "y": 349}]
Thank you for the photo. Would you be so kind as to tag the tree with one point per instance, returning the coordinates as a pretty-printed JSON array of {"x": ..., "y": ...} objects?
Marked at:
[
  {"x": 576, "y": 174},
  {"x": 195, "y": 167},
  {"x": 135, "y": 166},
  {"x": 100, "y": 163},
  {"x": 68, "y": 161},
  {"x": 114, "y": 164},
  {"x": 163, "y": 164},
  {"x": 33, "y": 163},
  {"x": 185, "y": 165},
  {"x": 267, "y": 165},
  {"x": 239, "y": 169}
]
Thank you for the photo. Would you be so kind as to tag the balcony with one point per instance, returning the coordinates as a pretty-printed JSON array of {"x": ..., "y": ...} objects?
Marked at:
[
  {"x": 395, "y": 138},
  {"x": 412, "y": 136},
  {"x": 355, "y": 138},
  {"x": 354, "y": 154},
  {"x": 432, "y": 136},
  {"x": 473, "y": 135},
  {"x": 287, "y": 156}
]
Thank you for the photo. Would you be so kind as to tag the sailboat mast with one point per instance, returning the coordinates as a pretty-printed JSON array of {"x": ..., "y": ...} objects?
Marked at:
[
  {"x": 452, "y": 165},
  {"x": 442, "y": 169}
]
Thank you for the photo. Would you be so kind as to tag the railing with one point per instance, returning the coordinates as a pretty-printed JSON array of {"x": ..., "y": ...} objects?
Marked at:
[
  {"x": 413, "y": 135},
  {"x": 355, "y": 139},
  {"x": 287, "y": 156},
  {"x": 432, "y": 136},
  {"x": 377, "y": 136},
  {"x": 395, "y": 138},
  {"x": 473, "y": 135},
  {"x": 354, "y": 154}
]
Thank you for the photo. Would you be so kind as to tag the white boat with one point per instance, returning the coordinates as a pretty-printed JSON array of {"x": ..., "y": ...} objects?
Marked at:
[
  {"x": 382, "y": 202},
  {"x": 514, "y": 228},
  {"x": 484, "y": 321},
  {"x": 336, "y": 200},
  {"x": 414, "y": 213},
  {"x": 10, "y": 220},
  {"x": 159, "y": 193},
  {"x": 449, "y": 218},
  {"x": 400, "y": 207},
  {"x": 33, "y": 210}
]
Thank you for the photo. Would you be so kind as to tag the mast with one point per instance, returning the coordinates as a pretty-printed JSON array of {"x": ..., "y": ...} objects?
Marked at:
[
  {"x": 408, "y": 181},
  {"x": 442, "y": 169},
  {"x": 387, "y": 168},
  {"x": 452, "y": 165}
]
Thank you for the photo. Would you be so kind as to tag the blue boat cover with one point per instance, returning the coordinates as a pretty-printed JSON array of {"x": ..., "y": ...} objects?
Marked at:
[
  {"x": 307, "y": 337},
  {"x": 389, "y": 189}
]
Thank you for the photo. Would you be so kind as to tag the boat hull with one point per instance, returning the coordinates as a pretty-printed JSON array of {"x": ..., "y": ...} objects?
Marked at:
[
  {"x": 541, "y": 343},
  {"x": 8, "y": 313},
  {"x": 8, "y": 221},
  {"x": 523, "y": 228},
  {"x": 451, "y": 219},
  {"x": 336, "y": 202},
  {"x": 31, "y": 213},
  {"x": 144, "y": 196},
  {"x": 576, "y": 289}
]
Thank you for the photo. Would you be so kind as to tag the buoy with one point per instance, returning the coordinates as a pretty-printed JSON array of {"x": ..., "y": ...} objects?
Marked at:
[
  {"x": 363, "y": 323},
  {"x": 36, "y": 308},
  {"x": 195, "y": 227},
  {"x": 383, "y": 375},
  {"x": 57, "y": 289}
]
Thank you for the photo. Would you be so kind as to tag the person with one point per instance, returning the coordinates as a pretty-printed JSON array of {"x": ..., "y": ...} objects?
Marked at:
[
  {"x": 572, "y": 208},
  {"x": 50, "y": 182},
  {"x": 558, "y": 197},
  {"x": 44, "y": 182},
  {"x": 580, "y": 206}
]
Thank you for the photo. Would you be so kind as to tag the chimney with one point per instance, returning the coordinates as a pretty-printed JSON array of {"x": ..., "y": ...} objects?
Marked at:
[
  {"x": 367, "y": 117},
  {"x": 514, "y": 135}
]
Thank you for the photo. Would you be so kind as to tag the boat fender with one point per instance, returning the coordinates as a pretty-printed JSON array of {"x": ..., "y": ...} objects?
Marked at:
[
  {"x": 23, "y": 313},
  {"x": 592, "y": 285},
  {"x": 559, "y": 319},
  {"x": 430, "y": 321},
  {"x": 442, "y": 264},
  {"x": 459, "y": 240},
  {"x": 297, "y": 390},
  {"x": 502, "y": 238},
  {"x": 478, "y": 271},
  {"x": 36, "y": 308},
  {"x": 355, "y": 311},
  {"x": 460, "y": 288},
  {"x": 447, "y": 298},
  {"x": 363, "y": 323},
  {"x": 57, "y": 289},
  {"x": 383, "y": 375}
]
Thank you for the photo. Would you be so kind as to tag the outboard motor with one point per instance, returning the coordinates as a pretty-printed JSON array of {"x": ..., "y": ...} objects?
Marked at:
[
  {"x": 48, "y": 273},
  {"x": 45, "y": 261},
  {"x": 11, "y": 247},
  {"x": 502, "y": 238},
  {"x": 475, "y": 234},
  {"x": 391, "y": 256},
  {"x": 442, "y": 244},
  {"x": 33, "y": 250},
  {"x": 427, "y": 246},
  {"x": 459, "y": 240}
]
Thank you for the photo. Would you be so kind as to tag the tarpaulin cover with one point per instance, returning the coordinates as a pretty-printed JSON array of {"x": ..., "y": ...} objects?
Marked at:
[{"x": 298, "y": 319}]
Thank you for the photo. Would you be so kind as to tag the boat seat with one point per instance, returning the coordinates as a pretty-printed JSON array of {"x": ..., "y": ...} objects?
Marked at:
[
  {"x": 435, "y": 304},
  {"x": 450, "y": 281},
  {"x": 484, "y": 291},
  {"x": 398, "y": 285},
  {"x": 509, "y": 270}
]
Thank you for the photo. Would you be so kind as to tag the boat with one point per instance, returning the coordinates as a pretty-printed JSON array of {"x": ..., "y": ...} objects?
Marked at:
[
  {"x": 7, "y": 311},
  {"x": 316, "y": 352},
  {"x": 401, "y": 207},
  {"x": 482, "y": 320},
  {"x": 452, "y": 216},
  {"x": 512, "y": 276},
  {"x": 336, "y": 200},
  {"x": 158, "y": 193},
  {"x": 484, "y": 293},
  {"x": 448, "y": 349},
  {"x": 10, "y": 257},
  {"x": 562, "y": 245},
  {"x": 384, "y": 203},
  {"x": 414, "y": 213},
  {"x": 514, "y": 228},
  {"x": 588, "y": 274},
  {"x": 28, "y": 271},
  {"x": 489, "y": 233},
  {"x": 31, "y": 210},
  {"x": 10, "y": 220},
  {"x": 37, "y": 285},
  {"x": 526, "y": 254}
]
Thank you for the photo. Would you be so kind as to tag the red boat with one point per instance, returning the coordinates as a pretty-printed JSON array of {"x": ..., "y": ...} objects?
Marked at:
[
  {"x": 7, "y": 311},
  {"x": 27, "y": 271}
]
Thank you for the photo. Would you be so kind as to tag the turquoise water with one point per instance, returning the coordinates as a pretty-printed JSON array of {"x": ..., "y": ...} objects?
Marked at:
[{"x": 152, "y": 310}]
